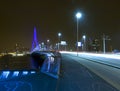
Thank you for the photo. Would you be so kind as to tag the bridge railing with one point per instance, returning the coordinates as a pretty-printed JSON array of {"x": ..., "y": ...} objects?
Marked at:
[{"x": 51, "y": 66}]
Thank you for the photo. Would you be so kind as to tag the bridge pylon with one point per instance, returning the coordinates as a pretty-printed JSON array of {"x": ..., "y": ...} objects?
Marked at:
[{"x": 35, "y": 44}]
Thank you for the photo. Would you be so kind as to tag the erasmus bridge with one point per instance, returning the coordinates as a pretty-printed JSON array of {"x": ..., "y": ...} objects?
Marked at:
[
  {"x": 16, "y": 66},
  {"x": 73, "y": 71}
]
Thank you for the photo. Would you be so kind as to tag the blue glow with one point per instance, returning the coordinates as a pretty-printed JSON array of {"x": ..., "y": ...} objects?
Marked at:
[
  {"x": 33, "y": 72},
  {"x": 15, "y": 86},
  {"x": 35, "y": 41},
  {"x": 25, "y": 73},
  {"x": 5, "y": 74},
  {"x": 15, "y": 73}
]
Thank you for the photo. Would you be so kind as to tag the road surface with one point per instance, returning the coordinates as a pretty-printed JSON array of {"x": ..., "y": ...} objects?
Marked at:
[{"x": 107, "y": 67}]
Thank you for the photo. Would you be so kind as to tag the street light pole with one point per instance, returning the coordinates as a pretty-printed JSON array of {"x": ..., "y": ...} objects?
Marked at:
[
  {"x": 104, "y": 44},
  {"x": 48, "y": 44},
  {"x": 84, "y": 43},
  {"x": 78, "y": 15},
  {"x": 77, "y": 36},
  {"x": 105, "y": 38},
  {"x": 59, "y": 35}
]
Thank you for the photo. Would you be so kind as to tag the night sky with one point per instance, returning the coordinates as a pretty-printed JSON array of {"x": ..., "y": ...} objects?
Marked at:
[{"x": 18, "y": 18}]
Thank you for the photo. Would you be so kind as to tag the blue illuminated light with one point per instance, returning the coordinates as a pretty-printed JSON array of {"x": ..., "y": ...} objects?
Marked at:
[
  {"x": 33, "y": 72},
  {"x": 5, "y": 74},
  {"x": 15, "y": 86},
  {"x": 35, "y": 41},
  {"x": 25, "y": 73},
  {"x": 15, "y": 73}
]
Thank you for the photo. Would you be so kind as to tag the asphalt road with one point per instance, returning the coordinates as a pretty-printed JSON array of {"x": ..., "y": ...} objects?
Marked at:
[
  {"x": 98, "y": 65},
  {"x": 76, "y": 77},
  {"x": 73, "y": 77}
]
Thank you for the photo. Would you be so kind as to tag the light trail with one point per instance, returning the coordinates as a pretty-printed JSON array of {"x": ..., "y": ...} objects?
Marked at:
[{"x": 113, "y": 56}]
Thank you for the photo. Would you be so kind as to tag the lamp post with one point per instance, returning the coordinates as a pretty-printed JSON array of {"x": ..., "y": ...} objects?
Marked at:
[
  {"x": 78, "y": 16},
  {"x": 48, "y": 44},
  {"x": 104, "y": 42},
  {"x": 84, "y": 43},
  {"x": 59, "y": 35}
]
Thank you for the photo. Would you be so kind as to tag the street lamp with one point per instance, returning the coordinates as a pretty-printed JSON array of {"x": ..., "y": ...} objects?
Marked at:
[
  {"x": 48, "y": 44},
  {"x": 48, "y": 41},
  {"x": 59, "y": 35},
  {"x": 78, "y": 16},
  {"x": 104, "y": 42},
  {"x": 84, "y": 42}
]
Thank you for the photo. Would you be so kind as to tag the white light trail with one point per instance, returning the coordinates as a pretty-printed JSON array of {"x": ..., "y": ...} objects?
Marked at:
[{"x": 112, "y": 56}]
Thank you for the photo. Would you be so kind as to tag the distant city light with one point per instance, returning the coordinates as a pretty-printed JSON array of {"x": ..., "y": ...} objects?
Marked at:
[{"x": 48, "y": 40}]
